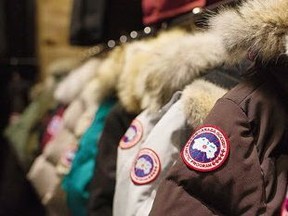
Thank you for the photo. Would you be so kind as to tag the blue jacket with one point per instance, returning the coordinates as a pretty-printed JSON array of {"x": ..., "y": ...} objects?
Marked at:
[{"x": 76, "y": 183}]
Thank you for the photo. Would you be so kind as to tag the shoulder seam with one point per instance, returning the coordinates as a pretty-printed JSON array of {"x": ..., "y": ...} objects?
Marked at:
[
  {"x": 247, "y": 95},
  {"x": 238, "y": 105}
]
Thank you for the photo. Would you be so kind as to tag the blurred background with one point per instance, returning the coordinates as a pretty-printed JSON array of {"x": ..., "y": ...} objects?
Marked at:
[{"x": 33, "y": 34}]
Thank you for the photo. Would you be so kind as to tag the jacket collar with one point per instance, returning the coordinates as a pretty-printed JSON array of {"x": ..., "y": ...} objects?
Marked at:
[{"x": 276, "y": 71}]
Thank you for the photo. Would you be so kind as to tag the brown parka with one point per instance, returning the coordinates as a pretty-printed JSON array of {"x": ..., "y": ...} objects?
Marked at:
[{"x": 251, "y": 177}]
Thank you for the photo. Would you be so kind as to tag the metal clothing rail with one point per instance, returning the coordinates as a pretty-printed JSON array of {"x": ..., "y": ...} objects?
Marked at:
[{"x": 196, "y": 16}]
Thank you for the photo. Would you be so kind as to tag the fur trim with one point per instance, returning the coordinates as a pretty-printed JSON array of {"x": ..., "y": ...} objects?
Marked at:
[
  {"x": 72, "y": 113},
  {"x": 72, "y": 85},
  {"x": 43, "y": 176},
  {"x": 56, "y": 70},
  {"x": 257, "y": 27},
  {"x": 177, "y": 64},
  {"x": 137, "y": 55},
  {"x": 88, "y": 99},
  {"x": 57, "y": 146},
  {"x": 91, "y": 93},
  {"x": 199, "y": 98},
  {"x": 85, "y": 121},
  {"x": 109, "y": 72}
]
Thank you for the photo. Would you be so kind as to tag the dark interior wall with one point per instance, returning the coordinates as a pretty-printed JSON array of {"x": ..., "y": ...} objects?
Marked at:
[
  {"x": 18, "y": 67},
  {"x": 21, "y": 27},
  {"x": 3, "y": 42},
  {"x": 17, "y": 38},
  {"x": 17, "y": 54}
]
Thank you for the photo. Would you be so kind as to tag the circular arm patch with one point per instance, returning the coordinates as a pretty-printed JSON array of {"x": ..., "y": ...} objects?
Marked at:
[
  {"x": 207, "y": 149},
  {"x": 132, "y": 135},
  {"x": 55, "y": 125},
  {"x": 146, "y": 167}
]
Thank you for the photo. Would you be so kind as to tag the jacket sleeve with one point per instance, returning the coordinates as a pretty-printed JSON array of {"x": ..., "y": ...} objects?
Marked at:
[
  {"x": 233, "y": 188},
  {"x": 103, "y": 184}
]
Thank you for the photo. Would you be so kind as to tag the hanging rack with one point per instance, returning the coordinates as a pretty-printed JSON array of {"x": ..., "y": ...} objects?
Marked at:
[
  {"x": 105, "y": 47},
  {"x": 196, "y": 16}
]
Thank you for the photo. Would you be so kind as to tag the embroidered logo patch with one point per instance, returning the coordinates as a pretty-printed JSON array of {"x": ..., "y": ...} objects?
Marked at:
[
  {"x": 132, "y": 135},
  {"x": 146, "y": 167},
  {"x": 68, "y": 156},
  {"x": 55, "y": 125},
  {"x": 206, "y": 150}
]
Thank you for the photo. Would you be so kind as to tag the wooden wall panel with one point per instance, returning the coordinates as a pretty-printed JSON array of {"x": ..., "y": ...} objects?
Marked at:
[{"x": 53, "y": 20}]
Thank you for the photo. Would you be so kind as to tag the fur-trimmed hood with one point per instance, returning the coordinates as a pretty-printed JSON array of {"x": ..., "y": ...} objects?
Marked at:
[
  {"x": 137, "y": 55},
  {"x": 257, "y": 28},
  {"x": 109, "y": 72},
  {"x": 83, "y": 108},
  {"x": 55, "y": 73},
  {"x": 72, "y": 85},
  {"x": 178, "y": 63}
]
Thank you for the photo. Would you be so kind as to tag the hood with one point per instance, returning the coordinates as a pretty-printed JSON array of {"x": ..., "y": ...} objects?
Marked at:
[
  {"x": 199, "y": 98},
  {"x": 90, "y": 94},
  {"x": 109, "y": 72},
  {"x": 178, "y": 63},
  {"x": 87, "y": 102},
  {"x": 137, "y": 55},
  {"x": 71, "y": 86},
  {"x": 90, "y": 99},
  {"x": 84, "y": 121},
  {"x": 43, "y": 185},
  {"x": 55, "y": 72},
  {"x": 72, "y": 113},
  {"x": 256, "y": 28},
  {"x": 57, "y": 146}
]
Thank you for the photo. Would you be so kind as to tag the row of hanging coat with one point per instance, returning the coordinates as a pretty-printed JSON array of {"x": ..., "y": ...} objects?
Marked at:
[{"x": 121, "y": 119}]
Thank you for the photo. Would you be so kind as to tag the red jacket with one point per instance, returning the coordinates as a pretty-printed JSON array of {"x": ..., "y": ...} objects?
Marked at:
[{"x": 157, "y": 10}]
